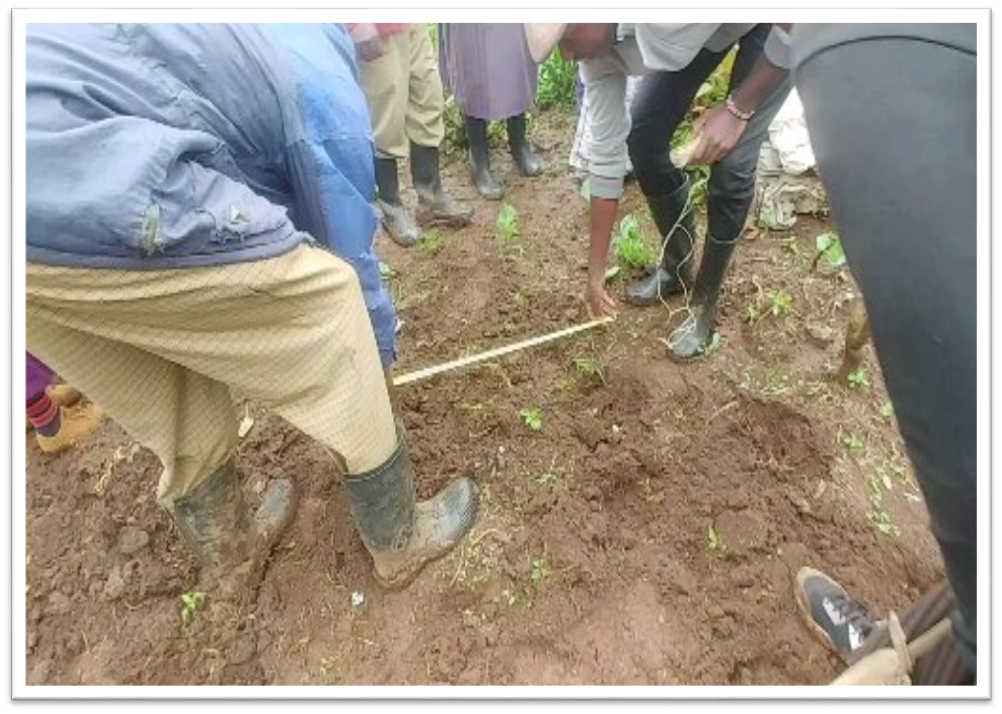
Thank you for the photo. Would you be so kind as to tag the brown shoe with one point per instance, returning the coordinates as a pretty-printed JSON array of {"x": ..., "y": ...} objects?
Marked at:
[
  {"x": 65, "y": 395},
  {"x": 75, "y": 425}
]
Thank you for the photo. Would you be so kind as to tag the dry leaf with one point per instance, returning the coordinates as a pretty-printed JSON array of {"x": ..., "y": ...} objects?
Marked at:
[{"x": 246, "y": 424}]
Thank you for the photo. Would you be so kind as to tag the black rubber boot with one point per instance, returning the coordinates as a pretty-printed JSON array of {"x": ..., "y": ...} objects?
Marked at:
[
  {"x": 231, "y": 546},
  {"x": 674, "y": 274},
  {"x": 395, "y": 218},
  {"x": 521, "y": 149},
  {"x": 435, "y": 207},
  {"x": 691, "y": 340},
  {"x": 480, "y": 159},
  {"x": 401, "y": 533}
]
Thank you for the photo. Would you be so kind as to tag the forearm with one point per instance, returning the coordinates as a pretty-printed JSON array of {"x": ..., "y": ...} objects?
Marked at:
[
  {"x": 761, "y": 82},
  {"x": 770, "y": 70},
  {"x": 602, "y": 219}
]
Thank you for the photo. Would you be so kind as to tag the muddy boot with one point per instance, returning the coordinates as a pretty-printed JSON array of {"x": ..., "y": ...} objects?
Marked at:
[
  {"x": 674, "y": 274},
  {"x": 72, "y": 426},
  {"x": 480, "y": 159},
  {"x": 231, "y": 546},
  {"x": 401, "y": 533},
  {"x": 691, "y": 341},
  {"x": 521, "y": 149},
  {"x": 435, "y": 207},
  {"x": 395, "y": 218}
]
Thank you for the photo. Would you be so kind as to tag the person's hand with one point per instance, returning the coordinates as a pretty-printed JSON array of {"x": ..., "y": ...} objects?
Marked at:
[
  {"x": 598, "y": 301},
  {"x": 586, "y": 41},
  {"x": 719, "y": 132}
]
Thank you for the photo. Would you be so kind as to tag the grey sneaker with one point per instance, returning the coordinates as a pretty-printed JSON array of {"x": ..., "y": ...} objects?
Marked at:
[{"x": 840, "y": 622}]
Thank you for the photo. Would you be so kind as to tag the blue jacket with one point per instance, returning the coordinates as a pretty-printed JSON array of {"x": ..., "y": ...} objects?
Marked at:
[{"x": 176, "y": 146}]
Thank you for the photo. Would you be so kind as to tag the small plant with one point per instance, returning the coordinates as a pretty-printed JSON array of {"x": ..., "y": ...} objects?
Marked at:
[
  {"x": 830, "y": 250},
  {"x": 431, "y": 242},
  {"x": 878, "y": 515},
  {"x": 851, "y": 441},
  {"x": 715, "y": 343},
  {"x": 191, "y": 602},
  {"x": 858, "y": 379},
  {"x": 507, "y": 222},
  {"x": 478, "y": 407},
  {"x": 887, "y": 411},
  {"x": 540, "y": 569},
  {"x": 532, "y": 418},
  {"x": 590, "y": 368},
  {"x": 629, "y": 246},
  {"x": 716, "y": 541},
  {"x": 781, "y": 302}
]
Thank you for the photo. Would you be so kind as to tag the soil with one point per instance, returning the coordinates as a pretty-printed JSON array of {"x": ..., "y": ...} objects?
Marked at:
[{"x": 648, "y": 533}]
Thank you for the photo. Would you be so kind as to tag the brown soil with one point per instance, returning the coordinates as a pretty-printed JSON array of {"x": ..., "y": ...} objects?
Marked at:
[{"x": 592, "y": 560}]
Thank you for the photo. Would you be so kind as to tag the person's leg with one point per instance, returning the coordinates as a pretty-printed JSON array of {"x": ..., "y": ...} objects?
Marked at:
[
  {"x": 57, "y": 427},
  {"x": 425, "y": 129},
  {"x": 480, "y": 159},
  {"x": 903, "y": 193},
  {"x": 292, "y": 333},
  {"x": 384, "y": 82},
  {"x": 730, "y": 194},
  {"x": 662, "y": 101},
  {"x": 188, "y": 421}
]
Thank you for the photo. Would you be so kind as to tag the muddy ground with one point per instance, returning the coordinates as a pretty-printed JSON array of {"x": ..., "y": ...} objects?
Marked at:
[{"x": 647, "y": 533}]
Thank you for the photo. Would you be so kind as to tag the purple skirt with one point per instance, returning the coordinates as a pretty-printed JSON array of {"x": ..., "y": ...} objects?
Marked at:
[
  {"x": 39, "y": 376},
  {"x": 488, "y": 68}
]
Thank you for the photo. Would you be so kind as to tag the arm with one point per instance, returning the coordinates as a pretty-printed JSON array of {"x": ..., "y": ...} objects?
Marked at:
[
  {"x": 720, "y": 129},
  {"x": 609, "y": 120}
]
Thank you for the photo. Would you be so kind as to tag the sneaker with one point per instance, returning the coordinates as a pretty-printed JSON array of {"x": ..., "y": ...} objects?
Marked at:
[
  {"x": 840, "y": 622},
  {"x": 75, "y": 425}
]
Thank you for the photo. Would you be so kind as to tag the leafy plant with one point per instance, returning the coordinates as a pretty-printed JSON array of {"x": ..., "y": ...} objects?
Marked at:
[
  {"x": 590, "y": 368},
  {"x": 191, "y": 602},
  {"x": 431, "y": 242},
  {"x": 532, "y": 418},
  {"x": 716, "y": 541},
  {"x": 507, "y": 222},
  {"x": 557, "y": 83},
  {"x": 629, "y": 246},
  {"x": 887, "y": 411},
  {"x": 781, "y": 302},
  {"x": 851, "y": 441},
  {"x": 858, "y": 379},
  {"x": 540, "y": 569},
  {"x": 830, "y": 249}
]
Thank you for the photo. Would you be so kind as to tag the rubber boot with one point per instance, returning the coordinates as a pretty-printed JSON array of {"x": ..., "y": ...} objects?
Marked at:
[
  {"x": 401, "y": 533},
  {"x": 231, "y": 546},
  {"x": 674, "y": 274},
  {"x": 395, "y": 218},
  {"x": 521, "y": 149},
  {"x": 480, "y": 159},
  {"x": 435, "y": 207}
]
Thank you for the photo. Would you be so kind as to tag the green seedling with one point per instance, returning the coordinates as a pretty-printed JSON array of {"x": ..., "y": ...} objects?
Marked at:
[
  {"x": 507, "y": 222},
  {"x": 590, "y": 369},
  {"x": 431, "y": 242},
  {"x": 191, "y": 602},
  {"x": 386, "y": 272},
  {"x": 887, "y": 411},
  {"x": 532, "y": 418},
  {"x": 851, "y": 441},
  {"x": 715, "y": 344},
  {"x": 859, "y": 379},
  {"x": 782, "y": 302},
  {"x": 716, "y": 541},
  {"x": 540, "y": 569},
  {"x": 878, "y": 515},
  {"x": 830, "y": 249},
  {"x": 478, "y": 407}
]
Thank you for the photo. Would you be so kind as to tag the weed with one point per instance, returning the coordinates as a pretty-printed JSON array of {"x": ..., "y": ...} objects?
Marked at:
[
  {"x": 191, "y": 602},
  {"x": 629, "y": 246},
  {"x": 716, "y": 541},
  {"x": 878, "y": 515},
  {"x": 716, "y": 342},
  {"x": 830, "y": 250},
  {"x": 507, "y": 221},
  {"x": 887, "y": 411},
  {"x": 540, "y": 569},
  {"x": 386, "y": 272},
  {"x": 782, "y": 302},
  {"x": 478, "y": 407},
  {"x": 851, "y": 441},
  {"x": 521, "y": 300},
  {"x": 532, "y": 418},
  {"x": 431, "y": 242},
  {"x": 590, "y": 369},
  {"x": 858, "y": 379}
]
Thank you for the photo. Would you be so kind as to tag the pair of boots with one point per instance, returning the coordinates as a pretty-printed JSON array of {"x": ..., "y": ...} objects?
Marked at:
[
  {"x": 401, "y": 533},
  {"x": 480, "y": 154},
  {"x": 435, "y": 207},
  {"x": 674, "y": 217}
]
